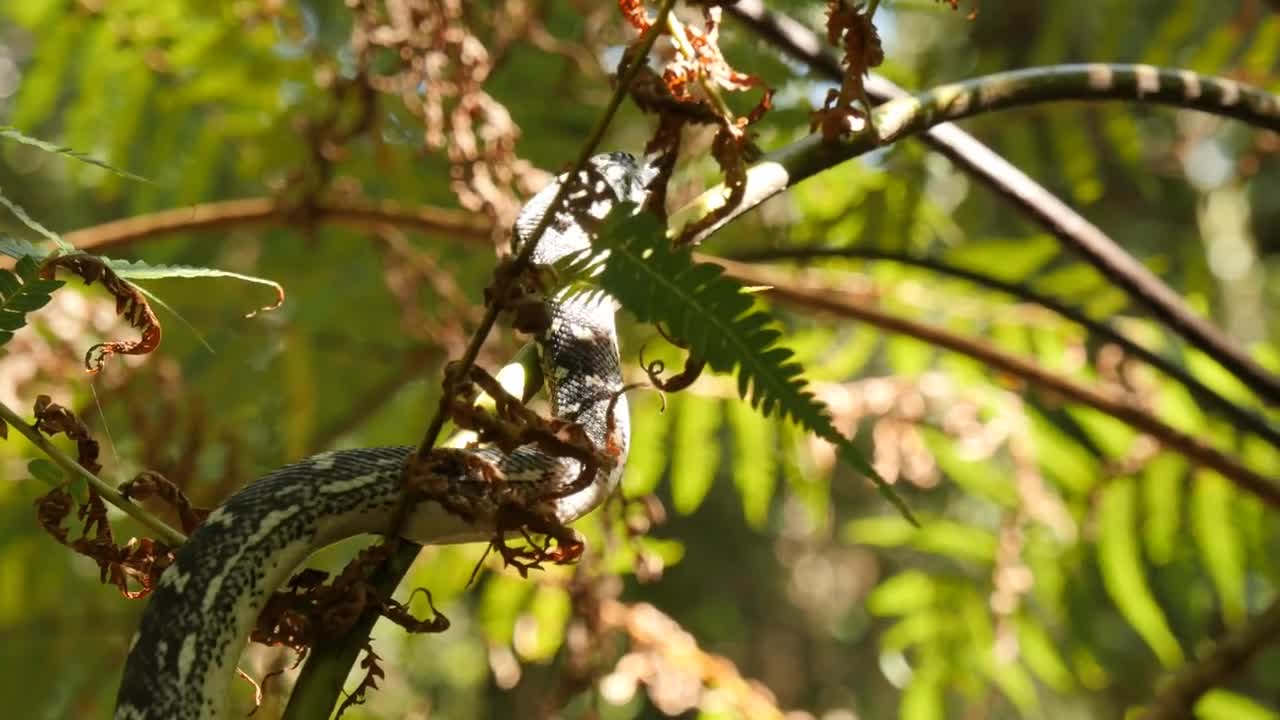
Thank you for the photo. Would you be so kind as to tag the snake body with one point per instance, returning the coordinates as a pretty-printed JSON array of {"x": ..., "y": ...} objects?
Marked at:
[{"x": 181, "y": 662}]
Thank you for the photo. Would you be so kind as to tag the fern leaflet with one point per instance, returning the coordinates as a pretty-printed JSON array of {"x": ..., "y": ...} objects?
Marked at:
[
  {"x": 22, "y": 291},
  {"x": 12, "y": 133},
  {"x": 718, "y": 320}
]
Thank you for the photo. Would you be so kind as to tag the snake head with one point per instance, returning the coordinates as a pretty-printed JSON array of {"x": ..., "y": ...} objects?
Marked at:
[{"x": 607, "y": 179}]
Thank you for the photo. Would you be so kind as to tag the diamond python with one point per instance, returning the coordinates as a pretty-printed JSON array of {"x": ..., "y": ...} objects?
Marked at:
[{"x": 182, "y": 661}]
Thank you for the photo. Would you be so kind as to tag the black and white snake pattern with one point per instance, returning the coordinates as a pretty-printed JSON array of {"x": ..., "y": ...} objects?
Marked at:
[{"x": 181, "y": 662}]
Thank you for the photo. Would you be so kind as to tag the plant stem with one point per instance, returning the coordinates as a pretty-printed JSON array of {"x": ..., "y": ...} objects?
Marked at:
[{"x": 170, "y": 536}]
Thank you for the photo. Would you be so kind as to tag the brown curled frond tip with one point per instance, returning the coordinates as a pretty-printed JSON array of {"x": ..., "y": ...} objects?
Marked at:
[
  {"x": 148, "y": 484},
  {"x": 268, "y": 308},
  {"x": 131, "y": 305},
  {"x": 52, "y": 419}
]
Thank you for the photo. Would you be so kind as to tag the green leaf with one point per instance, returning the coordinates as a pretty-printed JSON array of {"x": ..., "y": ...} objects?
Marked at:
[
  {"x": 647, "y": 457},
  {"x": 1037, "y": 648},
  {"x": 139, "y": 270},
  {"x": 754, "y": 470},
  {"x": 1113, "y": 437},
  {"x": 500, "y": 603},
  {"x": 879, "y": 531},
  {"x": 721, "y": 324},
  {"x": 20, "y": 293},
  {"x": 903, "y": 594},
  {"x": 1219, "y": 704},
  {"x": 915, "y": 629},
  {"x": 1162, "y": 492},
  {"x": 923, "y": 698},
  {"x": 939, "y": 537},
  {"x": 696, "y": 453},
  {"x": 12, "y": 133},
  {"x": 1123, "y": 574},
  {"x": 1011, "y": 260},
  {"x": 956, "y": 541},
  {"x": 808, "y": 478},
  {"x": 30, "y": 222},
  {"x": 1217, "y": 532},
  {"x": 986, "y": 478},
  {"x": 46, "y": 472},
  {"x": 549, "y": 611},
  {"x": 17, "y": 248},
  {"x": 1066, "y": 461}
]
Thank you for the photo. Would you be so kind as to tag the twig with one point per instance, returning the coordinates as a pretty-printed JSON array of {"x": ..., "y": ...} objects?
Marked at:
[
  {"x": 1241, "y": 416},
  {"x": 1178, "y": 697},
  {"x": 839, "y": 302},
  {"x": 171, "y": 537},
  {"x": 357, "y": 212},
  {"x": 321, "y": 679}
]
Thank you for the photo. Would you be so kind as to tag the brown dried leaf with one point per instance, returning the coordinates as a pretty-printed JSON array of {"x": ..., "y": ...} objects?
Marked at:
[
  {"x": 130, "y": 304},
  {"x": 52, "y": 418},
  {"x": 633, "y": 11},
  {"x": 141, "y": 560},
  {"x": 152, "y": 484}
]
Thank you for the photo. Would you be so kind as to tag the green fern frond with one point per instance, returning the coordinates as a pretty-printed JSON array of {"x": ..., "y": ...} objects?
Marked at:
[
  {"x": 21, "y": 292},
  {"x": 139, "y": 270},
  {"x": 17, "y": 248},
  {"x": 12, "y": 133},
  {"x": 30, "y": 222},
  {"x": 718, "y": 320}
]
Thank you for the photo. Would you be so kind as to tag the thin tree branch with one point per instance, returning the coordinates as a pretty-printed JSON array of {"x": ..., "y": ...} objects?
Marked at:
[
  {"x": 263, "y": 211},
  {"x": 1022, "y": 191},
  {"x": 839, "y": 302},
  {"x": 108, "y": 492},
  {"x": 1243, "y": 418},
  {"x": 1177, "y": 699}
]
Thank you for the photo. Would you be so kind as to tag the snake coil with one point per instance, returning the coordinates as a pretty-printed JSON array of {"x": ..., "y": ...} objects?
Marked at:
[{"x": 181, "y": 662}]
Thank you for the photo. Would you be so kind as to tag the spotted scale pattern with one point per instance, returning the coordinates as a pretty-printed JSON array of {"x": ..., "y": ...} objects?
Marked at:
[{"x": 182, "y": 660}]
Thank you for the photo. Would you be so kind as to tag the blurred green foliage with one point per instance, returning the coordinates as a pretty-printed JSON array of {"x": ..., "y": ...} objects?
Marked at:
[{"x": 1063, "y": 564}]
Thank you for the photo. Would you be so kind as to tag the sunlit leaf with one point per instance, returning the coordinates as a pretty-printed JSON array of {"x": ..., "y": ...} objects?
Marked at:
[
  {"x": 1214, "y": 526},
  {"x": 1005, "y": 259},
  {"x": 1124, "y": 575},
  {"x": 755, "y": 472},
  {"x": 1220, "y": 704},
  {"x": 905, "y": 593},
  {"x": 646, "y": 458},
  {"x": 695, "y": 452},
  {"x": 1041, "y": 654},
  {"x": 1162, "y": 492}
]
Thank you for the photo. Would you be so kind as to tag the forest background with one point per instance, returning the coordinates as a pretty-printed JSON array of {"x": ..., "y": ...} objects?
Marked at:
[{"x": 1067, "y": 564}]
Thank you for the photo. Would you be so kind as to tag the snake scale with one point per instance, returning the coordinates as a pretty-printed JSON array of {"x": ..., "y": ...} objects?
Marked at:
[{"x": 181, "y": 662}]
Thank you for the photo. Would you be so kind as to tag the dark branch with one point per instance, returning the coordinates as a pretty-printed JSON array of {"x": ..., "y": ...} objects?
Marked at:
[
  {"x": 842, "y": 303},
  {"x": 1020, "y": 190},
  {"x": 1243, "y": 418}
]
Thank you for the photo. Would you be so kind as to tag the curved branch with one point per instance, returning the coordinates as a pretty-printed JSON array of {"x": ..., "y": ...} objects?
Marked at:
[
  {"x": 259, "y": 211},
  {"x": 1010, "y": 183},
  {"x": 108, "y": 491},
  {"x": 836, "y": 301},
  {"x": 902, "y": 117},
  {"x": 1242, "y": 417},
  {"x": 1179, "y": 696}
]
